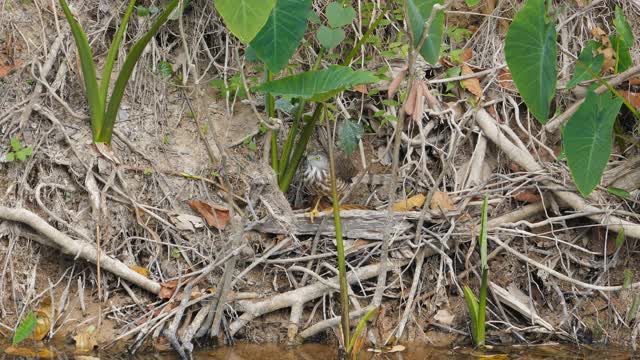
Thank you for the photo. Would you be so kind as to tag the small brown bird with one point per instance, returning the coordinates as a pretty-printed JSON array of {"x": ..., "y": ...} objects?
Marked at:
[{"x": 317, "y": 180}]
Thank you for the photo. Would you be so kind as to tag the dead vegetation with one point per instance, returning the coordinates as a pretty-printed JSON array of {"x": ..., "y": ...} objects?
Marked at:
[{"x": 251, "y": 265}]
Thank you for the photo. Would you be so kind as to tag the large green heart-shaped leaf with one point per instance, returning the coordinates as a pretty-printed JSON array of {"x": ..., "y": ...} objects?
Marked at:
[
  {"x": 318, "y": 85},
  {"x": 330, "y": 38},
  {"x": 586, "y": 59},
  {"x": 419, "y": 12},
  {"x": 245, "y": 18},
  {"x": 279, "y": 38},
  {"x": 587, "y": 139},
  {"x": 530, "y": 51},
  {"x": 338, "y": 15},
  {"x": 349, "y": 134}
]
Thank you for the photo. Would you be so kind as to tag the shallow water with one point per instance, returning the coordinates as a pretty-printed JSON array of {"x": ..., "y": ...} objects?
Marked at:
[{"x": 412, "y": 352}]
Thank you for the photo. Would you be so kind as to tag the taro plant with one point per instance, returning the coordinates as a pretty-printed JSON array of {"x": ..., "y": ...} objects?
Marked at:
[
  {"x": 477, "y": 308},
  {"x": 531, "y": 54},
  {"x": 102, "y": 107}
]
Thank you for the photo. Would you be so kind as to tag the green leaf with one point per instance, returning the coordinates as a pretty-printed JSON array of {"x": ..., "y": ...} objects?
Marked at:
[
  {"x": 165, "y": 68},
  {"x": 279, "y": 38},
  {"x": 105, "y": 132},
  {"x": 622, "y": 193},
  {"x": 20, "y": 156},
  {"x": 472, "y": 307},
  {"x": 338, "y": 15},
  {"x": 623, "y": 56},
  {"x": 628, "y": 277},
  {"x": 587, "y": 139},
  {"x": 620, "y": 238},
  {"x": 349, "y": 136},
  {"x": 92, "y": 91},
  {"x": 284, "y": 105},
  {"x": 587, "y": 59},
  {"x": 471, "y": 3},
  {"x": 329, "y": 38},
  {"x": 250, "y": 55},
  {"x": 113, "y": 52},
  {"x": 360, "y": 327},
  {"x": 142, "y": 11},
  {"x": 313, "y": 17},
  {"x": 25, "y": 328},
  {"x": 482, "y": 241},
  {"x": 530, "y": 51},
  {"x": 10, "y": 157},
  {"x": 419, "y": 11},
  {"x": 245, "y": 18},
  {"x": 15, "y": 143},
  {"x": 318, "y": 85},
  {"x": 623, "y": 28}
]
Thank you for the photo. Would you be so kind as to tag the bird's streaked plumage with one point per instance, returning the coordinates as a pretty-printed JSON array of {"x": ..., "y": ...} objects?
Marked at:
[{"x": 317, "y": 178}]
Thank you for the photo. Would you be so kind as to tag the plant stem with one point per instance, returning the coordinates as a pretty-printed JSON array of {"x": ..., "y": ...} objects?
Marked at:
[
  {"x": 298, "y": 152},
  {"x": 364, "y": 38},
  {"x": 269, "y": 105},
  {"x": 342, "y": 268}
]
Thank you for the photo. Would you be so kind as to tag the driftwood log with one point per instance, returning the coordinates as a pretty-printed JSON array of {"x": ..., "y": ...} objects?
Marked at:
[{"x": 356, "y": 224}]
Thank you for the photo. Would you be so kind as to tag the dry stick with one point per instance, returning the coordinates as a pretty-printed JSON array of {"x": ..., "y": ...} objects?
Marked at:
[
  {"x": 527, "y": 162},
  {"x": 555, "y": 123},
  {"x": 44, "y": 71},
  {"x": 305, "y": 294},
  {"x": 78, "y": 248}
]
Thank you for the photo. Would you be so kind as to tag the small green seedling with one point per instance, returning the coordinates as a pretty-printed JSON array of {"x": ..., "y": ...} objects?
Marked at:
[
  {"x": 25, "y": 328},
  {"x": 19, "y": 152}
]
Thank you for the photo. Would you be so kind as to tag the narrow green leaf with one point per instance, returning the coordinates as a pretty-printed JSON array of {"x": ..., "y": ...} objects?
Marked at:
[
  {"x": 329, "y": 38},
  {"x": 96, "y": 105},
  {"x": 360, "y": 327},
  {"x": 482, "y": 308},
  {"x": 623, "y": 56},
  {"x": 530, "y": 51},
  {"x": 25, "y": 328},
  {"x": 622, "y": 193},
  {"x": 113, "y": 52},
  {"x": 349, "y": 135},
  {"x": 620, "y": 238},
  {"x": 106, "y": 131},
  {"x": 419, "y": 11},
  {"x": 281, "y": 35},
  {"x": 245, "y": 18},
  {"x": 338, "y": 15},
  {"x": 472, "y": 308},
  {"x": 586, "y": 59},
  {"x": 318, "y": 85},
  {"x": 483, "y": 234},
  {"x": 587, "y": 139},
  {"x": 471, "y": 3},
  {"x": 627, "y": 278},
  {"x": 623, "y": 27}
]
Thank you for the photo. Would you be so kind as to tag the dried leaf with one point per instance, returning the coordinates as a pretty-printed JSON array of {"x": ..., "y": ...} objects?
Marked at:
[
  {"x": 215, "y": 216},
  {"x": 419, "y": 108},
  {"x": 444, "y": 317},
  {"x": 410, "y": 104},
  {"x": 29, "y": 352},
  {"x": 466, "y": 55},
  {"x": 187, "y": 222},
  {"x": 609, "y": 59},
  {"x": 167, "y": 289},
  {"x": 106, "y": 151},
  {"x": 632, "y": 97},
  {"x": 505, "y": 80},
  {"x": 9, "y": 68},
  {"x": 140, "y": 270},
  {"x": 528, "y": 196},
  {"x": 473, "y": 84},
  {"x": 361, "y": 89},
  {"x": 395, "y": 83},
  {"x": 441, "y": 200},
  {"x": 413, "y": 202}
]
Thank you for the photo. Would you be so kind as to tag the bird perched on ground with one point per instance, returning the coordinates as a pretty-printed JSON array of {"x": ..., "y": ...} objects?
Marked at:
[{"x": 317, "y": 178}]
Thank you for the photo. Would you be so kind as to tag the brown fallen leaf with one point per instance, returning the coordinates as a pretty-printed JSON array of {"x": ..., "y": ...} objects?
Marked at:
[
  {"x": 466, "y": 55},
  {"x": 6, "y": 69},
  {"x": 361, "y": 89},
  {"x": 410, "y": 104},
  {"x": 413, "y": 202},
  {"x": 441, "y": 200},
  {"x": 528, "y": 196},
  {"x": 472, "y": 84},
  {"x": 29, "y": 352},
  {"x": 167, "y": 289},
  {"x": 505, "y": 80},
  {"x": 215, "y": 216},
  {"x": 632, "y": 97},
  {"x": 395, "y": 83}
]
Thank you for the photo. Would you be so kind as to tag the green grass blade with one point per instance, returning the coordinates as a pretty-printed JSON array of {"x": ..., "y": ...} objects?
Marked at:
[
  {"x": 472, "y": 307},
  {"x": 113, "y": 52},
  {"x": 127, "y": 70},
  {"x": 360, "y": 327},
  {"x": 25, "y": 328},
  {"x": 96, "y": 105},
  {"x": 482, "y": 307},
  {"x": 483, "y": 234}
]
